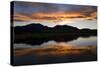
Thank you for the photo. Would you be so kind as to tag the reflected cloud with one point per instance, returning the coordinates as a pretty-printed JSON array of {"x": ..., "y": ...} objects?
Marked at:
[{"x": 54, "y": 48}]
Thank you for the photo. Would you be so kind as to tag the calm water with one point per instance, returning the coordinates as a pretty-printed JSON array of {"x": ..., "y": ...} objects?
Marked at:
[{"x": 81, "y": 49}]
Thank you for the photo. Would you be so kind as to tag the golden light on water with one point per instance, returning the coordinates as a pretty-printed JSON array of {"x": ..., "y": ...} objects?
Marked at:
[{"x": 55, "y": 50}]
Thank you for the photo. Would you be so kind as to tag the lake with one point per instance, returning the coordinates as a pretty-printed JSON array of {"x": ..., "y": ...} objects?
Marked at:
[{"x": 76, "y": 50}]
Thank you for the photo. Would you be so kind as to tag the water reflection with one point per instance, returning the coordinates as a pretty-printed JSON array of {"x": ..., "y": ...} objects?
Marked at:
[
  {"x": 78, "y": 42},
  {"x": 81, "y": 49}
]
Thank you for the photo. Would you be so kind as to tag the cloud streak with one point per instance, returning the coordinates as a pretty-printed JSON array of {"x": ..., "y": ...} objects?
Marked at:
[{"x": 24, "y": 11}]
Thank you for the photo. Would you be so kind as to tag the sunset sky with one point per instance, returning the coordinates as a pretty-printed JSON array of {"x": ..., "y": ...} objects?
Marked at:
[{"x": 50, "y": 14}]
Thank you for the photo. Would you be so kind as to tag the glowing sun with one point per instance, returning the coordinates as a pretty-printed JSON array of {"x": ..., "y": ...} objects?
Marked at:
[{"x": 65, "y": 22}]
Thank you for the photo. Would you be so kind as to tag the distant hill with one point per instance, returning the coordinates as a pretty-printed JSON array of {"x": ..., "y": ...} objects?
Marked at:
[{"x": 38, "y": 28}]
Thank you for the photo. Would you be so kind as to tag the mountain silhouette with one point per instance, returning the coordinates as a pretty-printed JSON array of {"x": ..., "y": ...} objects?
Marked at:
[{"x": 39, "y": 33}]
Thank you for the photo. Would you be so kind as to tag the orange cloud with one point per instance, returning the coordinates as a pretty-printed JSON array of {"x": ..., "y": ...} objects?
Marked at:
[
  {"x": 53, "y": 17},
  {"x": 20, "y": 17},
  {"x": 94, "y": 15},
  {"x": 56, "y": 16}
]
